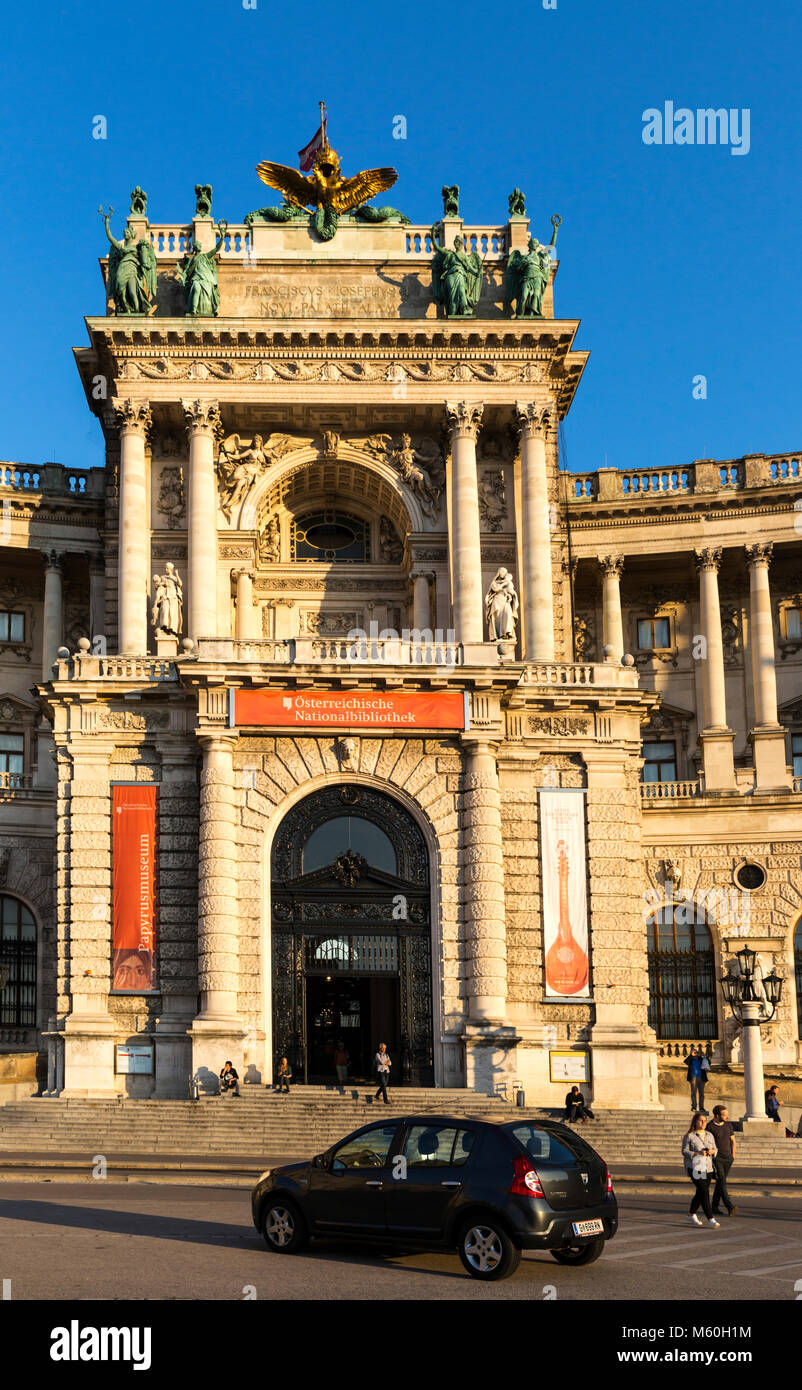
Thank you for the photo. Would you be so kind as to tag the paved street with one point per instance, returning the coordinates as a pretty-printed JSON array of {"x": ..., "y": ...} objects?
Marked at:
[{"x": 140, "y": 1241}]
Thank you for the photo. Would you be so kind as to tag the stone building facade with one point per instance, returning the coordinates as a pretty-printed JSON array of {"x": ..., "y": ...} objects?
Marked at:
[{"x": 337, "y": 475}]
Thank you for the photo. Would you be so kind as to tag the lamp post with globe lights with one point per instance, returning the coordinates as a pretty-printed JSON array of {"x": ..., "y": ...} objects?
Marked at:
[{"x": 750, "y": 1011}]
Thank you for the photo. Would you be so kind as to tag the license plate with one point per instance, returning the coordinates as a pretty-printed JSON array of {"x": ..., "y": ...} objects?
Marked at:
[{"x": 588, "y": 1228}]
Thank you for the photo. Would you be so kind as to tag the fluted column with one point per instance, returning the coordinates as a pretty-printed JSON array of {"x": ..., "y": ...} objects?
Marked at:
[
  {"x": 716, "y": 739},
  {"x": 52, "y": 615},
  {"x": 203, "y": 424},
  {"x": 482, "y": 879},
  {"x": 767, "y": 737},
  {"x": 464, "y": 421},
  {"x": 612, "y": 621},
  {"x": 536, "y": 586},
  {"x": 218, "y": 926},
  {"x": 97, "y": 598},
  {"x": 421, "y": 601},
  {"x": 134, "y": 420},
  {"x": 244, "y": 581}
]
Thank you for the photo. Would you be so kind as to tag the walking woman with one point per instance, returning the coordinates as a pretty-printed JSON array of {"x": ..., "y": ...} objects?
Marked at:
[{"x": 698, "y": 1148}]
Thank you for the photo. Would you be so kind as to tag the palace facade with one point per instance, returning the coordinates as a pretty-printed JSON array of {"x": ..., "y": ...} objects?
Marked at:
[{"x": 261, "y": 611}]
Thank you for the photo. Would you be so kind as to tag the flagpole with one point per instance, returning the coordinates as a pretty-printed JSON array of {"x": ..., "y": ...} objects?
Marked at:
[{"x": 323, "y": 123}]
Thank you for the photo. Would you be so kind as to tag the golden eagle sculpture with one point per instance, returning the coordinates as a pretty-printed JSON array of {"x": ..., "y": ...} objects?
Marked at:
[{"x": 327, "y": 192}]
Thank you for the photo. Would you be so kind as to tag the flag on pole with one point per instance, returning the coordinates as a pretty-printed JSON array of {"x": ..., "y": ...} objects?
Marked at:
[{"x": 306, "y": 156}]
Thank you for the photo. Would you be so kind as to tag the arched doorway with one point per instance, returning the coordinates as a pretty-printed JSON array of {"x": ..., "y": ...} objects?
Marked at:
[{"x": 351, "y": 937}]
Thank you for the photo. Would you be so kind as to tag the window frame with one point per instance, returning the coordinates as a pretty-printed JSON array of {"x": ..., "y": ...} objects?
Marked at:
[
  {"x": 27, "y": 949},
  {"x": 668, "y": 966},
  {"x": 658, "y": 762},
  {"x": 652, "y": 621},
  {"x": 797, "y": 947}
]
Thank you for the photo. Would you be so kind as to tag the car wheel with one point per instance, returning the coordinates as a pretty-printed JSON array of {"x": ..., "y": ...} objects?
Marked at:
[
  {"x": 579, "y": 1254},
  {"x": 283, "y": 1227},
  {"x": 486, "y": 1250}
]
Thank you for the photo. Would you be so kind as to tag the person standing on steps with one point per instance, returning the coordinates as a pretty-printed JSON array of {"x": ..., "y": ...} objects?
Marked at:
[
  {"x": 724, "y": 1136},
  {"x": 698, "y": 1067},
  {"x": 382, "y": 1063},
  {"x": 341, "y": 1059},
  {"x": 698, "y": 1148}
]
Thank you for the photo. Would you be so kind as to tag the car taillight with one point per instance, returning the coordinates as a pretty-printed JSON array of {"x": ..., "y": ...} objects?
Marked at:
[
  {"x": 526, "y": 1182},
  {"x": 609, "y": 1181}
]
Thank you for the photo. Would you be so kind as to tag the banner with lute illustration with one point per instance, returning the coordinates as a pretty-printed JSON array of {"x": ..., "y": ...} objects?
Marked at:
[{"x": 565, "y": 900}]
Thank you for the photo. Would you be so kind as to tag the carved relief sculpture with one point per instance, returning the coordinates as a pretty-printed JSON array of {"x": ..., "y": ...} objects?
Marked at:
[
  {"x": 270, "y": 551},
  {"x": 391, "y": 548},
  {"x": 422, "y": 468},
  {"x": 501, "y": 608},
  {"x": 171, "y": 501},
  {"x": 238, "y": 466},
  {"x": 492, "y": 498}
]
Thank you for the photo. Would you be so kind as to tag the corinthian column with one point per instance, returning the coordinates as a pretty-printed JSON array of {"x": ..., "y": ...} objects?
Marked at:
[
  {"x": 203, "y": 424},
  {"x": 134, "y": 419},
  {"x": 768, "y": 738},
  {"x": 716, "y": 739},
  {"x": 421, "y": 601},
  {"x": 51, "y": 618},
  {"x": 612, "y": 622},
  {"x": 464, "y": 421},
  {"x": 537, "y": 592},
  {"x": 483, "y": 885}
]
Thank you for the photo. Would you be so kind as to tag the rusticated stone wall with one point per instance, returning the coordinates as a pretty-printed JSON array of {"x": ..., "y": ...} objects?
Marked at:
[{"x": 617, "y": 887}]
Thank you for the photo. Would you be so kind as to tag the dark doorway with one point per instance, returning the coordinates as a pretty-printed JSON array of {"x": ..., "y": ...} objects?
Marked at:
[
  {"x": 359, "y": 1011},
  {"x": 351, "y": 938}
]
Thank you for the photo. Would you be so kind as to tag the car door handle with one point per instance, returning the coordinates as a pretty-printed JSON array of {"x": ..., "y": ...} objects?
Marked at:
[
  {"x": 451, "y": 1184},
  {"x": 374, "y": 1184}
]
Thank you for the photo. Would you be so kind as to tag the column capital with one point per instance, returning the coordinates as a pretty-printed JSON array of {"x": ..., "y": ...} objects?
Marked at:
[
  {"x": 132, "y": 417},
  {"x": 54, "y": 561},
  {"x": 465, "y": 418},
  {"x": 532, "y": 419},
  {"x": 242, "y": 572},
  {"x": 216, "y": 740},
  {"x": 202, "y": 417},
  {"x": 611, "y": 565},
  {"x": 759, "y": 554},
  {"x": 707, "y": 559}
]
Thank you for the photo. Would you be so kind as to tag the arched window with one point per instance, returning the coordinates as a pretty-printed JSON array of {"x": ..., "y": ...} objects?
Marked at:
[
  {"x": 17, "y": 964},
  {"x": 331, "y": 537},
  {"x": 342, "y": 833},
  {"x": 682, "y": 991},
  {"x": 798, "y": 974}
]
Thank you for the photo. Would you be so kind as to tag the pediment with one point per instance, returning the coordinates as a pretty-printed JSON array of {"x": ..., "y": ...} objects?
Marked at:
[{"x": 14, "y": 708}]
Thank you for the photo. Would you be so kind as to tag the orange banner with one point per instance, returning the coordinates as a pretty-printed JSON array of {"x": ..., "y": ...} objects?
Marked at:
[
  {"x": 353, "y": 709},
  {"x": 134, "y": 861}
]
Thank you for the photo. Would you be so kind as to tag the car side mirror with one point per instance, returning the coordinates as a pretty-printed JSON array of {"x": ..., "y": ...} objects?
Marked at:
[{"x": 320, "y": 1161}]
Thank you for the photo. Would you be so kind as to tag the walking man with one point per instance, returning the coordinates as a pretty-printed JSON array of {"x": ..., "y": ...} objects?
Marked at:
[
  {"x": 773, "y": 1104},
  {"x": 724, "y": 1135},
  {"x": 383, "y": 1064}
]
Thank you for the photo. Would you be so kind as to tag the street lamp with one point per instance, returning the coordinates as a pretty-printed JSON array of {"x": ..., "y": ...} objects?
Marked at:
[{"x": 751, "y": 1010}]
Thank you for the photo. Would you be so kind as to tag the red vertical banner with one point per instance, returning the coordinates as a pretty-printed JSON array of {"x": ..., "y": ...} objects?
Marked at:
[{"x": 134, "y": 884}]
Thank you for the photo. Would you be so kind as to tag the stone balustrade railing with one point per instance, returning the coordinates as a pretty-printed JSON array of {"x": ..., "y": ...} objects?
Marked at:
[
  {"x": 15, "y": 781},
  {"x": 702, "y": 476},
  {"x": 52, "y": 479},
  {"x": 490, "y": 242},
  {"x": 170, "y": 241},
  {"x": 670, "y": 791},
  {"x": 575, "y": 674},
  {"x": 296, "y": 651},
  {"x": 797, "y": 784},
  {"x": 82, "y": 666}
]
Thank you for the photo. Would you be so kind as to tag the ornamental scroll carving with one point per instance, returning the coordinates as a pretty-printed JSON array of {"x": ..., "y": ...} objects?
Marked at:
[{"x": 557, "y": 724}]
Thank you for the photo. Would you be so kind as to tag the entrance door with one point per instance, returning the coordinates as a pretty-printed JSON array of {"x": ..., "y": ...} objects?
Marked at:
[{"x": 351, "y": 938}]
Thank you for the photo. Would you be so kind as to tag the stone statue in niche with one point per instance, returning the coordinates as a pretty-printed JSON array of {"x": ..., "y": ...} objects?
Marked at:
[
  {"x": 271, "y": 542},
  {"x": 390, "y": 547},
  {"x": 330, "y": 443},
  {"x": 168, "y": 602},
  {"x": 492, "y": 498},
  {"x": 501, "y": 608},
  {"x": 171, "y": 496}
]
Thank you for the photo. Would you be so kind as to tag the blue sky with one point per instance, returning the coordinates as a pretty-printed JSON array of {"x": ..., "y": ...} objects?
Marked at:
[{"x": 679, "y": 260}]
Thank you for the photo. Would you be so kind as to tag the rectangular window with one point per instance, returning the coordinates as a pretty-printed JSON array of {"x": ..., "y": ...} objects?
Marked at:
[
  {"x": 796, "y": 753},
  {"x": 793, "y": 624},
  {"x": 660, "y": 762},
  {"x": 11, "y": 754},
  {"x": 12, "y": 626},
  {"x": 654, "y": 634}
]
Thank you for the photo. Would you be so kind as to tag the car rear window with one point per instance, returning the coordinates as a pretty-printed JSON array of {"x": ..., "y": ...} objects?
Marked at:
[{"x": 542, "y": 1146}]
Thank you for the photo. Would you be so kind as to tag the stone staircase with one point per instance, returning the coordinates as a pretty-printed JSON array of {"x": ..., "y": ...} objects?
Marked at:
[{"x": 261, "y": 1123}]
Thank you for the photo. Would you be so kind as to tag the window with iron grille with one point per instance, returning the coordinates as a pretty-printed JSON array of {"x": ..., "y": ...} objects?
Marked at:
[
  {"x": 798, "y": 974},
  {"x": 330, "y": 537},
  {"x": 12, "y": 626},
  {"x": 17, "y": 964},
  {"x": 682, "y": 988}
]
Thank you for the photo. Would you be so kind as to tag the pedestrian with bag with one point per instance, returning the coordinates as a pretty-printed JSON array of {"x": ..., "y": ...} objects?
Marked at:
[
  {"x": 698, "y": 1148},
  {"x": 383, "y": 1064},
  {"x": 724, "y": 1137},
  {"x": 773, "y": 1104}
]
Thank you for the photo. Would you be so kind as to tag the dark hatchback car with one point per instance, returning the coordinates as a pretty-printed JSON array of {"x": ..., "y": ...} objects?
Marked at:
[{"x": 436, "y": 1182}]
